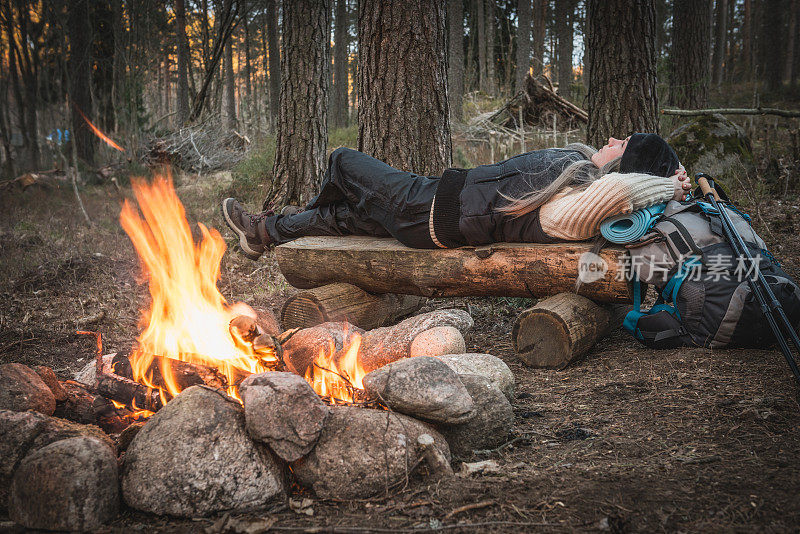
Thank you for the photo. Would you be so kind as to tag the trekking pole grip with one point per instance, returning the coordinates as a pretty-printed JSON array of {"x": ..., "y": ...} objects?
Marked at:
[{"x": 705, "y": 187}]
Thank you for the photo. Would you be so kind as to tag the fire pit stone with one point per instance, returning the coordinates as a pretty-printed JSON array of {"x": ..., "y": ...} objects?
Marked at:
[
  {"x": 283, "y": 411},
  {"x": 22, "y": 433},
  {"x": 422, "y": 387},
  {"x": 71, "y": 484},
  {"x": 491, "y": 425},
  {"x": 195, "y": 458},
  {"x": 484, "y": 365},
  {"x": 22, "y": 389},
  {"x": 364, "y": 452},
  {"x": 437, "y": 341}
]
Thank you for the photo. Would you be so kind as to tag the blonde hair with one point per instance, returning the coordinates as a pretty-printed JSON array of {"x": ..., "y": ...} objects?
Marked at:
[{"x": 578, "y": 174}]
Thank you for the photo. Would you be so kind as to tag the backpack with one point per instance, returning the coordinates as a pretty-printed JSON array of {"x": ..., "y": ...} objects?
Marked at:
[{"x": 704, "y": 298}]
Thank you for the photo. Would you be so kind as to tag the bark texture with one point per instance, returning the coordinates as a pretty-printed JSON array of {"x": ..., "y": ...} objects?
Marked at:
[
  {"x": 340, "y": 112},
  {"x": 690, "y": 55},
  {"x": 564, "y": 16},
  {"x": 183, "y": 65},
  {"x": 402, "y": 84},
  {"x": 720, "y": 41},
  {"x": 502, "y": 269},
  {"x": 621, "y": 63},
  {"x": 303, "y": 117},
  {"x": 230, "y": 87},
  {"x": 539, "y": 30},
  {"x": 523, "y": 43},
  {"x": 491, "y": 25},
  {"x": 455, "y": 25},
  {"x": 80, "y": 73},
  {"x": 274, "y": 61}
]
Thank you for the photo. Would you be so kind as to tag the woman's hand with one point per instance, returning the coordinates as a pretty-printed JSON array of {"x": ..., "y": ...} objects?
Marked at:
[{"x": 681, "y": 183}]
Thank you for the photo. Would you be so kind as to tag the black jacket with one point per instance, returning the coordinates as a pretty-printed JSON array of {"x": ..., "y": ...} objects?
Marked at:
[{"x": 466, "y": 207}]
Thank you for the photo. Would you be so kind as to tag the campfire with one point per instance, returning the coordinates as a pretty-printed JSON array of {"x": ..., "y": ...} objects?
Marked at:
[
  {"x": 215, "y": 395},
  {"x": 190, "y": 334}
]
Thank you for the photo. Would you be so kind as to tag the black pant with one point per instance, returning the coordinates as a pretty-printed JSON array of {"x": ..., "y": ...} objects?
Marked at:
[{"x": 361, "y": 195}]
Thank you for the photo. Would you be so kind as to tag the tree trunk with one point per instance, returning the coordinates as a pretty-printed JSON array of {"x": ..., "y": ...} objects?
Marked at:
[
  {"x": 480, "y": 21},
  {"x": 340, "y": 66},
  {"x": 771, "y": 46},
  {"x": 491, "y": 25},
  {"x": 183, "y": 58},
  {"x": 403, "y": 109},
  {"x": 564, "y": 14},
  {"x": 300, "y": 153},
  {"x": 523, "y": 43},
  {"x": 274, "y": 62},
  {"x": 455, "y": 24},
  {"x": 747, "y": 40},
  {"x": 230, "y": 87},
  {"x": 792, "y": 39},
  {"x": 539, "y": 31},
  {"x": 80, "y": 78},
  {"x": 622, "y": 95},
  {"x": 720, "y": 40},
  {"x": 689, "y": 57}
]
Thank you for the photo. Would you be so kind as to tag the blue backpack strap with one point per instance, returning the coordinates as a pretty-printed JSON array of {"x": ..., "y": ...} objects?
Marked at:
[
  {"x": 632, "y": 317},
  {"x": 670, "y": 291}
]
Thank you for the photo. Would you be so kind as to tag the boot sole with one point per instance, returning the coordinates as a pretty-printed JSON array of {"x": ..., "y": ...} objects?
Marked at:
[{"x": 244, "y": 246}]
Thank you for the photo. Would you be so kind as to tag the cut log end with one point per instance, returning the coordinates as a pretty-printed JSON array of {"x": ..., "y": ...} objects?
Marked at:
[
  {"x": 559, "y": 330},
  {"x": 346, "y": 302}
]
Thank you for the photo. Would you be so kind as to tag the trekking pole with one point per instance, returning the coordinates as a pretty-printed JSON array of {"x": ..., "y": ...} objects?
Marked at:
[{"x": 769, "y": 304}]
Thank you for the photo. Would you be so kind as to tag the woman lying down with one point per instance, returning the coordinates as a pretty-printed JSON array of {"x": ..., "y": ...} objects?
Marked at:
[{"x": 542, "y": 196}]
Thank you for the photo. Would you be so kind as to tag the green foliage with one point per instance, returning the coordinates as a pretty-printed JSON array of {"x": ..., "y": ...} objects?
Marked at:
[
  {"x": 254, "y": 173},
  {"x": 343, "y": 137},
  {"x": 460, "y": 158}
]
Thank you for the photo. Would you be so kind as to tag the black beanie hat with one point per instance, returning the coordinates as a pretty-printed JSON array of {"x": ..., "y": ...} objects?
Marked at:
[{"x": 650, "y": 154}]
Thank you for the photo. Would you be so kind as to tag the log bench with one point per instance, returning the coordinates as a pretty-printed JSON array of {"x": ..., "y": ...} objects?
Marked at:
[{"x": 366, "y": 280}]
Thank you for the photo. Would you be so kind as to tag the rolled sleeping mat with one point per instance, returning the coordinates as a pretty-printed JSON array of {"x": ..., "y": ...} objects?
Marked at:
[{"x": 628, "y": 228}]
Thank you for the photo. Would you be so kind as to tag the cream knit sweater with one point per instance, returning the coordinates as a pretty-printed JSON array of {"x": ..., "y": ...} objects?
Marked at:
[{"x": 575, "y": 215}]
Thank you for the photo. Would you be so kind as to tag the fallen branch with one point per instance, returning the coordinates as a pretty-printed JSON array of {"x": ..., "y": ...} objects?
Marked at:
[
  {"x": 468, "y": 507},
  {"x": 731, "y": 111}
]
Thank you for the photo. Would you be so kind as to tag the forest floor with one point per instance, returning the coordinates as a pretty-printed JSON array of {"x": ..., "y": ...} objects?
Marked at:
[{"x": 627, "y": 439}]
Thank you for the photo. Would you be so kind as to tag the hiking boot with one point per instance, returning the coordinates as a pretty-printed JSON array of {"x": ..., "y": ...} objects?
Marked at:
[
  {"x": 292, "y": 210},
  {"x": 253, "y": 236}
]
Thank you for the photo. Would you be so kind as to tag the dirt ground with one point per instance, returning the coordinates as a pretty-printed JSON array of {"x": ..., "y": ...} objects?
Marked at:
[{"x": 628, "y": 439}]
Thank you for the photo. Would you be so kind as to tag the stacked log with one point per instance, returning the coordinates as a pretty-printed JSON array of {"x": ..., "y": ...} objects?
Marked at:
[
  {"x": 383, "y": 265},
  {"x": 561, "y": 329},
  {"x": 346, "y": 302}
]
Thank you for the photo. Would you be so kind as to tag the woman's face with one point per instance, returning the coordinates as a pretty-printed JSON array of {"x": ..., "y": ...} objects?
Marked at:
[{"x": 612, "y": 150}]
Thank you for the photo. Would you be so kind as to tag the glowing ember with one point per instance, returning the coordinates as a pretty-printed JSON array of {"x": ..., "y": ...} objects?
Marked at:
[
  {"x": 189, "y": 319},
  {"x": 338, "y": 376}
]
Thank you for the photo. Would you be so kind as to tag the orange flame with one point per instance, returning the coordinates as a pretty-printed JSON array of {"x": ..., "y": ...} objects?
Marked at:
[
  {"x": 188, "y": 316},
  {"x": 110, "y": 142},
  {"x": 189, "y": 319},
  {"x": 338, "y": 375}
]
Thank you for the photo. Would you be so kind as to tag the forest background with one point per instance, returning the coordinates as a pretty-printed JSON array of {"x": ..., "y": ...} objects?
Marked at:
[{"x": 247, "y": 98}]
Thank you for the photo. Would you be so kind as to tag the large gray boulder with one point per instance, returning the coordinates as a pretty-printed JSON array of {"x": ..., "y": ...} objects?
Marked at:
[
  {"x": 491, "y": 425},
  {"x": 363, "y": 452},
  {"x": 283, "y": 411},
  {"x": 423, "y": 387},
  {"x": 71, "y": 484},
  {"x": 22, "y": 433},
  {"x": 485, "y": 365},
  {"x": 22, "y": 389},
  {"x": 194, "y": 458},
  {"x": 715, "y": 145}
]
